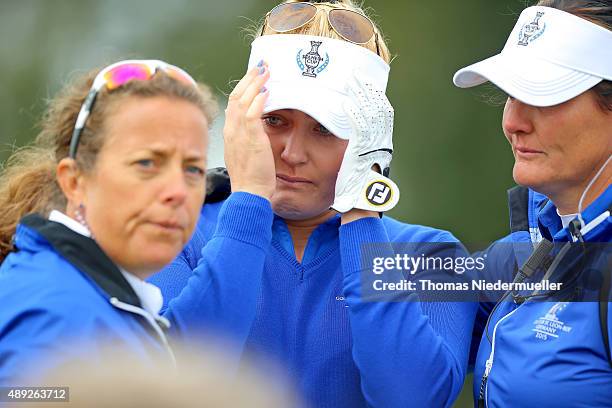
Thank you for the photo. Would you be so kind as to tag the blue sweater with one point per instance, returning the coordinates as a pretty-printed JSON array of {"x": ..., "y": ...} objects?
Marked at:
[
  {"x": 62, "y": 299},
  {"x": 344, "y": 352}
]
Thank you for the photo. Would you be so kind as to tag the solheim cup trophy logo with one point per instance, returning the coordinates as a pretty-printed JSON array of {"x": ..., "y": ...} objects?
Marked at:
[
  {"x": 531, "y": 31},
  {"x": 312, "y": 59},
  {"x": 310, "y": 67}
]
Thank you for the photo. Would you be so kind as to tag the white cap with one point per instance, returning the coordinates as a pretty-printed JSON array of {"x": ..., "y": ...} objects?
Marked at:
[
  {"x": 550, "y": 57},
  {"x": 312, "y": 74}
]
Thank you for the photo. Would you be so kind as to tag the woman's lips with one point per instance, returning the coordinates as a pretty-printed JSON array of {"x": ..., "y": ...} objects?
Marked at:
[
  {"x": 526, "y": 152},
  {"x": 168, "y": 225},
  {"x": 292, "y": 181}
]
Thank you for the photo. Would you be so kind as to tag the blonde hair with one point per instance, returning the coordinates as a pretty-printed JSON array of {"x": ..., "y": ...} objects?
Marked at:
[
  {"x": 28, "y": 181},
  {"x": 320, "y": 26}
]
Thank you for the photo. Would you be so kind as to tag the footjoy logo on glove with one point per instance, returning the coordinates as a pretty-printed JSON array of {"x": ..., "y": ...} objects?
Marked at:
[
  {"x": 310, "y": 67},
  {"x": 378, "y": 193},
  {"x": 531, "y": 31}
]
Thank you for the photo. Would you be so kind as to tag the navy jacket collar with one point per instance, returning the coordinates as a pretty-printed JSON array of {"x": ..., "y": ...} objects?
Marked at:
[
  {"x": 550, "y": 222},
  {"x": 86, "y": 255}
]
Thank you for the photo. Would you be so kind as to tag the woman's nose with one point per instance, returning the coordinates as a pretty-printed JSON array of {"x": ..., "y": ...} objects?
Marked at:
[
  {"x": 294, "y": 149},
  {"x": 517, "y": 118},
  {"x": 175, "y": 189}
]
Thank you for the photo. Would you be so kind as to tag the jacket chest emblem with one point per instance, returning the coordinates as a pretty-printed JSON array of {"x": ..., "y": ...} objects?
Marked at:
[{"x": 550, "y": 326}]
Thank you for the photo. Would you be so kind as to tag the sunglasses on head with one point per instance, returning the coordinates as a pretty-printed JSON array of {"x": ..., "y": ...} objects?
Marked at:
[
  {"x": 349, "y": 25},
  {"x": 116, "y": 75}
]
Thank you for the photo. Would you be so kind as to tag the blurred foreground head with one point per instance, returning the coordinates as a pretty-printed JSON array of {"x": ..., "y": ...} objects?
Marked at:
[{"x": 202, "y": 379}]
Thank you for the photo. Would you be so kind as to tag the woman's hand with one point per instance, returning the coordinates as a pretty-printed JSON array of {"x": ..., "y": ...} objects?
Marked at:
[
  {"x": 248, "y": 155},
  {"x": 370, "y": 146}
]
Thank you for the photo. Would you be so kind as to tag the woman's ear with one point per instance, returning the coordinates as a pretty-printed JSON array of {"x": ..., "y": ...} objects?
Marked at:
[{"x": 71, "y": 181}]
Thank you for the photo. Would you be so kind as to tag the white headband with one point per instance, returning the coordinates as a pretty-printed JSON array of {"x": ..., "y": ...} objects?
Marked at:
[
  {"x": 550, "y": 57},
  {"x": 311, "y": 74}
]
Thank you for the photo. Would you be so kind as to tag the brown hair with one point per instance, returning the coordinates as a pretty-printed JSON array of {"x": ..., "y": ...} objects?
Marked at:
[
  {"x": 319, "y": 26},
  {"x": 600, "y": 13},
  {"x": 28, "y": 181}
]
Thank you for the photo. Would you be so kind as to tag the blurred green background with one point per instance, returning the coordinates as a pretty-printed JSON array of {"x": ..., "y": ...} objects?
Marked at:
[{"x": 452, "y": 162}]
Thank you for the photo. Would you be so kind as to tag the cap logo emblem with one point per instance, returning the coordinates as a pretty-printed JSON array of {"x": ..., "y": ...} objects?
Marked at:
[
  {"x": 531, "y": 31},
  {"x": 312, "y": 66}
]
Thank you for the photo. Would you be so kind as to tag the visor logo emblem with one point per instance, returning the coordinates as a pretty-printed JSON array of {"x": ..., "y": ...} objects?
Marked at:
[
  {"x": 378, "y": 193},
  {"x": 531, "y": 31},
  {"x": 312, "y": 66}
]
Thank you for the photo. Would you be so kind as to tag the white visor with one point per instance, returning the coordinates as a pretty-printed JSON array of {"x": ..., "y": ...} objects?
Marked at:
[
  {"x": 550, "y": 57},
  {"x": 311, "y": 74}
]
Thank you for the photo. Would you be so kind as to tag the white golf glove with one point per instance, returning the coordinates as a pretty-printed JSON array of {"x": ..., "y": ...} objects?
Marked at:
[{"x": 358, "y": 186}]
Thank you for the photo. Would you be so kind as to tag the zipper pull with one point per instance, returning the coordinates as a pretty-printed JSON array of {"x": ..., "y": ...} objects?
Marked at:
[
  {"x": 163, "y": 323},
  {"x": 483, "y": 383},
  {"x": 574, "y": 228},
  {"x": 488, "y": 366}
]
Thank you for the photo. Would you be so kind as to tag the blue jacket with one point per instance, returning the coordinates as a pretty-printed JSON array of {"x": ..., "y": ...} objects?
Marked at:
[
  {"x": 343, "y": 351},
  {"x": 546, "y": 353},
  {"x": 62, "y": 298}
]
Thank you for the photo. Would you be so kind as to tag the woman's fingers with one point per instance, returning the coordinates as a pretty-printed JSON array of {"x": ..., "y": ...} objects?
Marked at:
[
  {"x": 244, "y": 93},
  {"x": 254, "y": 113},
  {"x": 254, "y": 88},
  {"x": 248, "y": 154},
  {"x": 245, "y": 81}
]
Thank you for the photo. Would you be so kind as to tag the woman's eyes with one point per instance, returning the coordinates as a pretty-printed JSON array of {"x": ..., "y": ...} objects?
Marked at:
[
  {"x": 323, "y": 130},
  {"x": 273, "y": 120},
  {"x": 195, "y": 170},
  {"x": 145, "y": 163},
  {"x": 150, "y": 164},
  {"x": 277, "y": 121}
]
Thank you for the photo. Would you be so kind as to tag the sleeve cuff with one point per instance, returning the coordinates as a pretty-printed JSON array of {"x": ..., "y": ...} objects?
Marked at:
[
  {"x": 354, "y": 235},
  {"x": 246, "y": 217}
]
